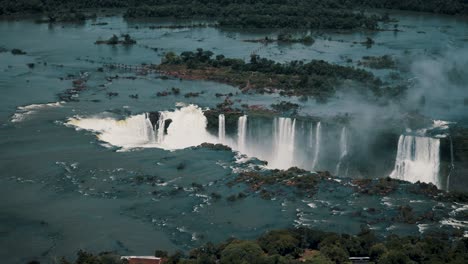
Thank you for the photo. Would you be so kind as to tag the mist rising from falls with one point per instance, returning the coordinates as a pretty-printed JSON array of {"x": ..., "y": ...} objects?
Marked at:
[
  {"x": 343, "y": 149},
  {"x": 242, "y": 134},
  {"x": 277, "y": 141},
  {"x": 418, "y": 159},
  {"x": 187, "y": 129},
  {"x": 135, "y": 131},
  {"x": 317, "y": 145},
  {"x": 282, "y": 142},
  {"x": 284, "y": 134},
  {"x": 221, "y": 128}
]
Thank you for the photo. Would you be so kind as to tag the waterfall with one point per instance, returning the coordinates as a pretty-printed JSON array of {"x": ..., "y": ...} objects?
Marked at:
[
  {"x": 452, "y": 165},
  {"x": 343, "y": 149},
  {"x": 160, "y": 127},
  {"x": 311, "y": 136},
  {"x": 317, "y": 145},
  {"x": 241, "y": 133},
  {"x": 221, "y": 128},
  {"x": 284, "y": 141},
  {"x": 149, "y": 129},
  {"x": 135, "y": 131},
  {"x": 417, "y": 159},
  {"x": 187, "y": 129}
]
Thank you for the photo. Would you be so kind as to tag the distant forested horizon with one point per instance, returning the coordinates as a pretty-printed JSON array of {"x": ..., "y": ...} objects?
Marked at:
[{"x": 8, "y": 7}]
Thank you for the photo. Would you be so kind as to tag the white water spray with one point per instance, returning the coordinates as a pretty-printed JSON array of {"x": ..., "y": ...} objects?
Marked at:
[
  {"x": 343, "y": 149},
  {"x": 161, "y": 127},
  {"x": 284, "y": 142},
  {"x": 187, "y": 129},
  {"x": 242, "y": 133},
  {"x": 317, "y": 145},
  {"x": 221, "y": 128},
  {"x": 417, "y": 159}
]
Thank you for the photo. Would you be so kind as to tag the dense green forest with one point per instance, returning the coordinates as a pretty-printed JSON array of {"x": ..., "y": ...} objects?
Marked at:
[
  {"x": 221, "y": 8},
  {"x": 316, "y": 78},
  {"x": 304, "y": 245}
]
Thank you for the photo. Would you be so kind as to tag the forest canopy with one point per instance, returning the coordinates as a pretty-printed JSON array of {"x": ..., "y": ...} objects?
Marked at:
[
  {"x": 206, "y": 7},
  {"x": 305, "y": 245}
]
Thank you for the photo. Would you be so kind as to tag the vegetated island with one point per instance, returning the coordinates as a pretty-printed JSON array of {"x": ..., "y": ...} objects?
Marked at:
[
  {"x": 285, "y": 38},
  {"x": 329, "y": 14},
  {"x": 316, "y": 78},
  {"x": 310, "y": 246},
  {"x": 114, "y": 40}
]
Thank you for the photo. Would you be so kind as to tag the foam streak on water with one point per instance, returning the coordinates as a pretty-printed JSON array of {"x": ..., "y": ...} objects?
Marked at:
[{"x": 25, "y": 111}]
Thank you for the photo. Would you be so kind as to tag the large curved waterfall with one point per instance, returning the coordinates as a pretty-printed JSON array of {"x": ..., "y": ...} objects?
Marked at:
[
  {"x": 185, "y": 127},
  {"x": 418, "y": 159},
  {"x": 281, "y": 141}
]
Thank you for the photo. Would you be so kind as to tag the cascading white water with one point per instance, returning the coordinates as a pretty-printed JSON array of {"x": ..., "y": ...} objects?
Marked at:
[
  {"x": 242, "y": 134},
  {"x": 149, "y": 131},
  {"x": 221, "y": 128},
  {"x": 284, "y": 142},
  {"x": 187, "y": 129},
  {"x": 317, "y": 145},
  {"x": 417, "y": 159},
  {"x": 311, "y": 136},
  {"x": 135, "y": 131},
  {"x": 343, "y": 149},
  {"x": 161, "y": 127}
]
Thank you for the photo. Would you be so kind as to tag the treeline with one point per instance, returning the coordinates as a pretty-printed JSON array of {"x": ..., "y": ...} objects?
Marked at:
[
  {"x": 263, "y": 14},
  {"x": 201, "y": 58},
  {"x": 316, "y": 78},
  {"x": 8, "y": 7},
  {"x": 227, "y": 10},
  {"x": 304, "y": 245},
  {"x": 450, "y": 7}
]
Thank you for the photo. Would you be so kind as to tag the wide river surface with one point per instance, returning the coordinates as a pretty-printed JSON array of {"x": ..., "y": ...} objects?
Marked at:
[{"x": 63, "y": 189}]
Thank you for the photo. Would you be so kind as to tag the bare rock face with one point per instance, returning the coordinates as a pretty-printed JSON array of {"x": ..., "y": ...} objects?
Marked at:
[
  {"x": 454, "y": 158},
  {"x": 231, "y": 118},
  {"x": 154, "y": 117}
]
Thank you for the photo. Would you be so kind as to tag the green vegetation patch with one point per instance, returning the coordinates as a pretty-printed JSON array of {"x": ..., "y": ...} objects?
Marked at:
[{"x": 316, "y": 78}]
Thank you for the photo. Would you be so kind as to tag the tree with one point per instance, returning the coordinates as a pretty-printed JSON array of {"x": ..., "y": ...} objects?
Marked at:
[
  {"x": 280, "y": 242},
  {"x": 394, "y": 257},
  {"x": 114, "y": 40},
  {"x": 376, "y": 251},
  {"x": 128, "y": 40},
  {"x": 336, "y": 253},
  {"x": 242, "y": 252}
]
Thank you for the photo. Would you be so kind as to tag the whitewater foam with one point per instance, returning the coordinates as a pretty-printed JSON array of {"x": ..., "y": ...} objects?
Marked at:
[
  {"x": 187, "y": 129},
  {"x": 23, "y": 112},
  {"x": 417, "y": 159}
]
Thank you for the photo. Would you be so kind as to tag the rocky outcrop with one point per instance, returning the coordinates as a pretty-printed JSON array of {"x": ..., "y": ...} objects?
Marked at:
[
  {"x": 454, "y": 158},
  {"x": 231, "y": 118}
]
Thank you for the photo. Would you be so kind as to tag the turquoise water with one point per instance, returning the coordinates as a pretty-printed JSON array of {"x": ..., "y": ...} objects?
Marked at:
[{"x": 61, "y": 189}]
